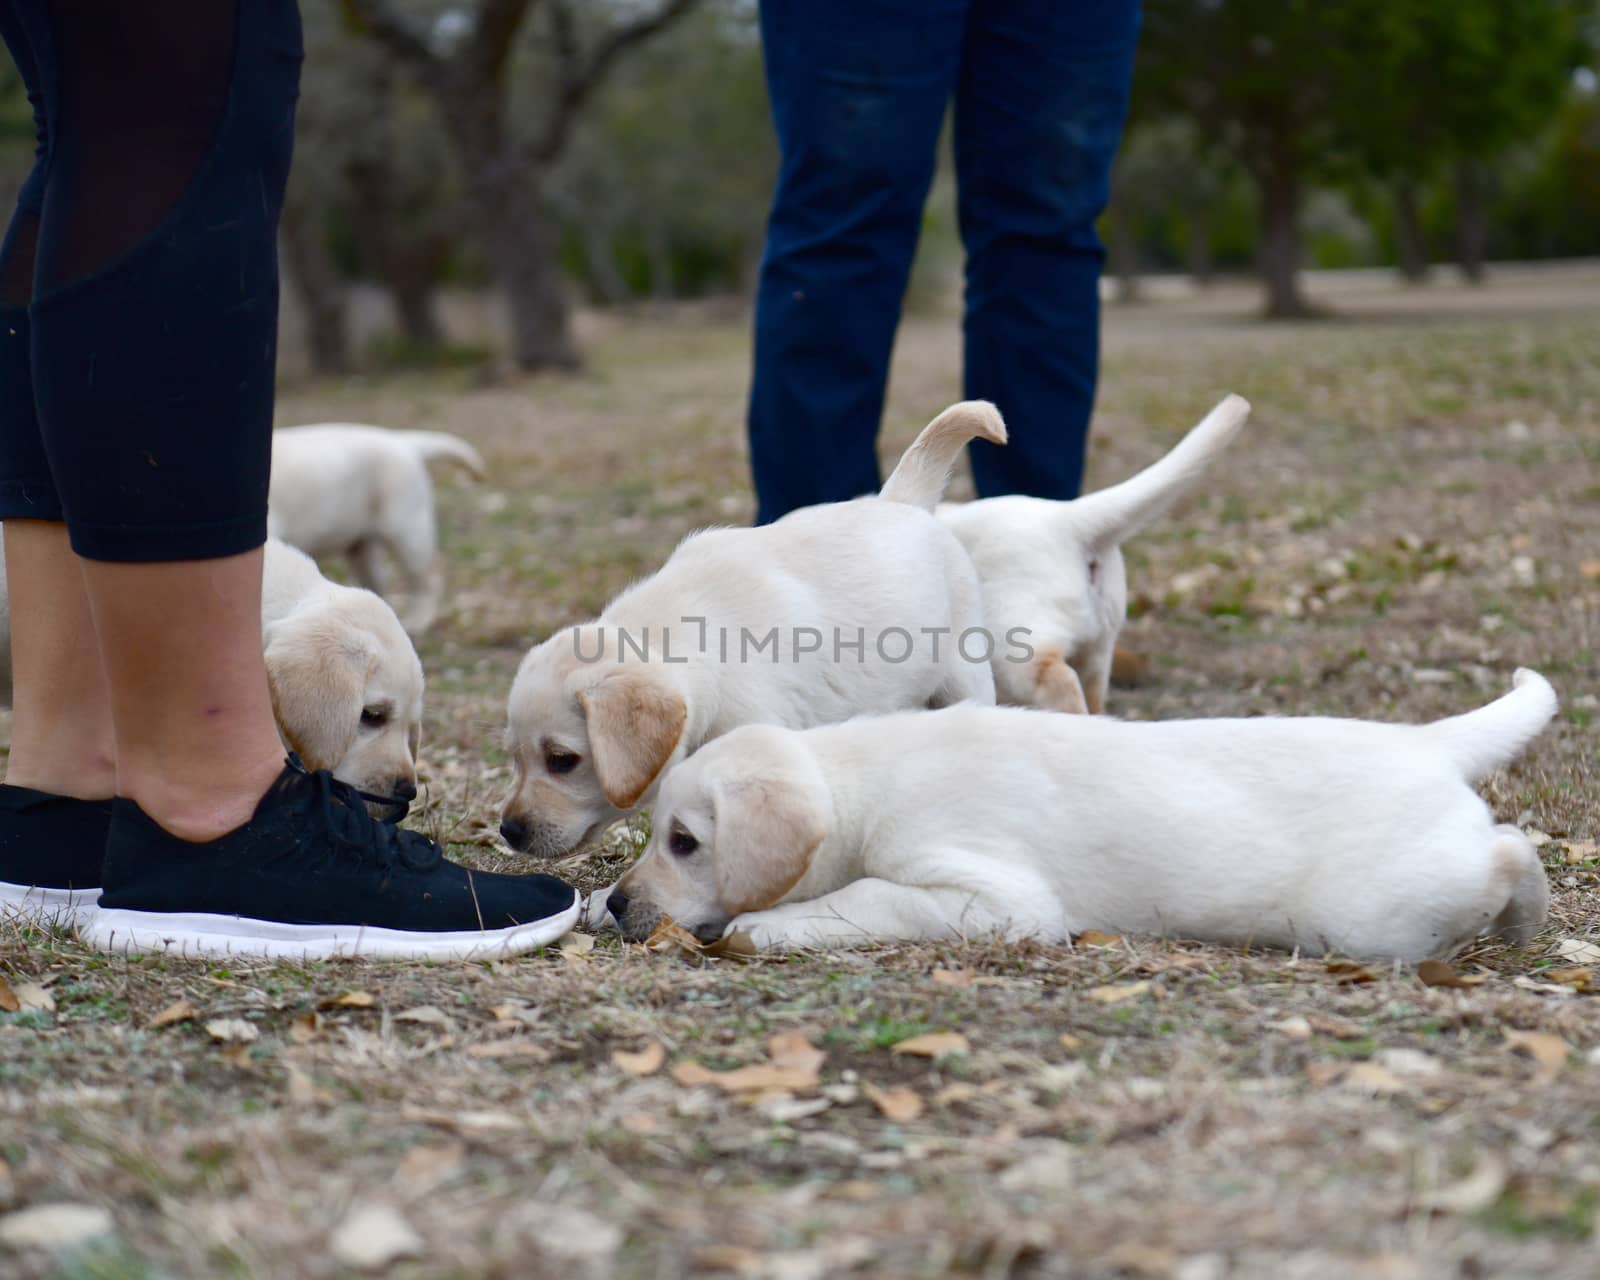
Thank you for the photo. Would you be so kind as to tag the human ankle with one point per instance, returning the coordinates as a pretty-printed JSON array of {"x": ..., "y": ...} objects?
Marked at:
[
  {"x": 88, "y": 776},
  {"x": 203, "y": 809}
]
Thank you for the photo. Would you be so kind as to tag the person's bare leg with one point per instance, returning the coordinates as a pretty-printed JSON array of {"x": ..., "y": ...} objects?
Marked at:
[
  {"x": 196, "y": 742},
  {"x": 61, "y": 739}
]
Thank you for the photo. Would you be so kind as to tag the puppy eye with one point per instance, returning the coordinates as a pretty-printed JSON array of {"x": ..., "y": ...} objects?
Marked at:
[
  {"x": 561, "y": 761},
  {"x": 374, "y": 717},
  {"x": 681, "y": 842},
  {"x": 1094, "y": 570}
]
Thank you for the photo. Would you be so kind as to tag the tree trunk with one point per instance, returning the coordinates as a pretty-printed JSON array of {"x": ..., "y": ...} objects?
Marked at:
[
  {"x": 315, "y": 278},
  {"x": 1202, "y": 265},
  {"x": 1124, "y": 258},
  {"x": 412, "y": 292},
  {"x": 522, "y": 248},
  {"x": 1474, "y": 187},
  {"x": 1410, "y": 247},
  {"x": 1278, "y": 180}
]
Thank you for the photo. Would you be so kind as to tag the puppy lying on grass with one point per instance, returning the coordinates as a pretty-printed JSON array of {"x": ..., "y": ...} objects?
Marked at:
[
  {"x": 365, "y": 493},
  {"x": 1056, "y": 569},
  {"x": 1317, "y": 834},
  {"x": 847, "y": 592}
]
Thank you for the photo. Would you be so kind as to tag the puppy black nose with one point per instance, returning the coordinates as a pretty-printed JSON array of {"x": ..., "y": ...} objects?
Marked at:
[
  {"x": 616, "y": 904},
  {"x": 514, "y": 833},
  {"x": 405, "y": 789}
]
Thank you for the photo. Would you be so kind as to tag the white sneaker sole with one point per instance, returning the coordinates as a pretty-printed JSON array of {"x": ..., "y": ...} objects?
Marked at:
[
  {"x": 31, "y": 904},
  {"x": 196, "y": 934}
]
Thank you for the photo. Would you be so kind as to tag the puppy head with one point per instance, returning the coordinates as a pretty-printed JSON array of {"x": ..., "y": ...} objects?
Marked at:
[
  {"x": 588, "y": 739},
  {"x": 735, "y": 829},
  {"x": 347, "y": 691}
]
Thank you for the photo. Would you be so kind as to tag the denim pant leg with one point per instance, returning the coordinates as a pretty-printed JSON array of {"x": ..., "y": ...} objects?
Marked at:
[
  {"x": 858, "y": 91},
  {"x": 1040, "y": 106}
]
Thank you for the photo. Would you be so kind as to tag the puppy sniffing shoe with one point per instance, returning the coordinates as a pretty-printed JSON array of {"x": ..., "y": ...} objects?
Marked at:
[{"x": 313, "y": 875}]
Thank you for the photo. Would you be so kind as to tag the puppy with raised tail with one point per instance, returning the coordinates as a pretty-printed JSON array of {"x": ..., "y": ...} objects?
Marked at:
[
  {"x": 1056, "y": 568},
  {"x": 343, "y": 489},
  {"x": 833, "y": 611},
  {"x": 1317, "y": 834}
]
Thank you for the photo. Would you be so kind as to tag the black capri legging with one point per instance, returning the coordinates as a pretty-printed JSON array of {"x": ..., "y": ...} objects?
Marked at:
[{"x": 138, "y": 278}]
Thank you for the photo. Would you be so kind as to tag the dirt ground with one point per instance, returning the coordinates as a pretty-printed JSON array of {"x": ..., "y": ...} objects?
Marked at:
[{"x": 1413, "y": 512}]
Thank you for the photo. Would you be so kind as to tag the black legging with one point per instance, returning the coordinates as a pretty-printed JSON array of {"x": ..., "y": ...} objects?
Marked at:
[{"x": 138, "y": 279}]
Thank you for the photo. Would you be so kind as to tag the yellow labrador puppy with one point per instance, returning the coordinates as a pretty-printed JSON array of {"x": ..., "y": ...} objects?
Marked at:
[
  {"x": 833, "y": 611},
  {"x": 365, "y": 493},
  {"x": 1056, "y": 569},
  {"x": 1317, "y": 834},
  {"x": 346, "y": 681}
]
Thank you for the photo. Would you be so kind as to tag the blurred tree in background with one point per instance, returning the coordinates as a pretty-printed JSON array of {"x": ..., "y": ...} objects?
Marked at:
[{"x": 614, "y": 150}]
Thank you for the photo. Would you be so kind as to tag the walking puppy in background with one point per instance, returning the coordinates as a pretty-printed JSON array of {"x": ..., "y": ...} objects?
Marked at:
[
  {"x": 1317, "y": 834},
  {"x": 593, "y": 722},
  {"x": 1056, "y": 569},
  {"x": 365, "y": 493}
]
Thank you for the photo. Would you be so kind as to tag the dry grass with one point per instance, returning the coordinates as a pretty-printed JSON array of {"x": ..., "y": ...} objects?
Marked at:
[{"x": 1405, "y": 521}]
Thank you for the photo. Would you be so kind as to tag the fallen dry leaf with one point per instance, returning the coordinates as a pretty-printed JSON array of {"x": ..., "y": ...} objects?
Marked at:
[
  {"x": 1436, "y": 973},
  {"x": 575, "y": 945},
  {"x": 1118, "y": 992},
  {"x": 728, "y": 1257},
  {"x": 1549, "y": 1051},
  {"x": 373, "y": 1236},
  {"x": 428, "y": 1015},
  {"x": 794, "y": 1051},
  {"x": 1589, "y": 569},
  {"x": 935, "y": 1044},
  {"x": 1579, "y": 978},
  {"x": 425, "y": 1167},
  {"x": 669, "y": 935},
  {"x": 1148, "y": 1261},
  {"x": 32, "y": 996},
  {"x": 646, "y": 1062},
  {"x": 177, "y": 1011},
  {"x": 690, "y": 1074},
  {"x": 640, "y": 1124},
  {"x": 517, "y": 1047},
  {"x": 1370, "y": 1077},
  {"x": 1338, "y": 1028},
  {"x": 954, "y": 977},
  {"x": 1474, "y": 1193},
  {"x": 350, "y": 1000},
  {"x": 1523, "y": 982},
  {"x": 1070, "y": 1043},
  {"x": 1581, "y": 851},
  {"x": 54, "y": 1226},
  {"x": 1347, "y": 972},
  {"x": 235, "y": 1030},
  {"x": 305, "y": 1027},
  {"x": 795, "y": 1065},
  {"x": 8, "y": 998},
  {"x": 898, "y": 1103},
  {"x": 1578, "y": 950},
  {"x": 1097, "y": 938},
  {"x": 1294, "y": 1026}
]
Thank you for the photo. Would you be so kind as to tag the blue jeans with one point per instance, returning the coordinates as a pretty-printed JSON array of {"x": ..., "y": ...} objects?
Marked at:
[{"x": 859, "y": 90}]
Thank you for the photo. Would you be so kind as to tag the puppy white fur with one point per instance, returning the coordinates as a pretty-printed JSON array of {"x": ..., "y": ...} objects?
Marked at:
[
  {"x": 346, "y": 681},
  {"x": 365, "y": 493},
  {"x": 1317, "y": 834},
  {"x": 1056, "y": 568},
  {"x": 592, "y": 724}
]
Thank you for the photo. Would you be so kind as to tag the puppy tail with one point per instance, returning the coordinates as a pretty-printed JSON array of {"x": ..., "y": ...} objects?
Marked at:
[
  {"x": 1109, "y": 516},
  {"x": 440, "y": 446},
  {"x": 1493, "y": 736},
  {"x": 924, "y": 469}
]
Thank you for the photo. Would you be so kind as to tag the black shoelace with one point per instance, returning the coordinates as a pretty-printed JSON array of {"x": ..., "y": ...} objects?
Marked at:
[{"x": 343, "y": 809}]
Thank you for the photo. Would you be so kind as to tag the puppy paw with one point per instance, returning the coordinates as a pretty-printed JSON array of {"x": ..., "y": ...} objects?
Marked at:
[{"x": 764, "y": 929}]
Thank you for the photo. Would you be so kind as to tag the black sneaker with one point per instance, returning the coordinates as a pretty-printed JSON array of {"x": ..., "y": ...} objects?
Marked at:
[
  {"x": 314, "y": 875},
  {"x": 51, "y": 851}
]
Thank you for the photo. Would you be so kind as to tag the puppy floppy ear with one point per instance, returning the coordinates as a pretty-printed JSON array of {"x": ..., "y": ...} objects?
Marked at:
[
  {"x": 634, "y": 722},
  {"x": 318, "y": 682},
  {"x": 768, "y": 826}
]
